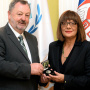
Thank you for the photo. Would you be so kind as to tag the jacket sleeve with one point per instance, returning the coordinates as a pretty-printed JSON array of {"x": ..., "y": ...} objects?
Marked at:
[
  {"x": 80, "y": 80},
  {"x": 12, "y": 69}
]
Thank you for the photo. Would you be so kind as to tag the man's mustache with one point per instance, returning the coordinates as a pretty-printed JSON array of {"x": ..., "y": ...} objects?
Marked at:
[{"x": 22, "y": 22}]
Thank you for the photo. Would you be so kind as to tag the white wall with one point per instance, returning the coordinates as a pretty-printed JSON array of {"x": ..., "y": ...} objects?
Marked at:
[
  {"x": 4, "y": 4},
  {"x": 67, "y": 5}
]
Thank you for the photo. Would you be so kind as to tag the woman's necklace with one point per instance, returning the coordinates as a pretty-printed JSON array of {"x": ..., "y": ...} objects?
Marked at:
[{"x": 63, "y": 53}]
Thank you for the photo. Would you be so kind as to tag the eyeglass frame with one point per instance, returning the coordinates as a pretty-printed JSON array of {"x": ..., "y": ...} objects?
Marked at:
[{"x": 70, "y": 23}]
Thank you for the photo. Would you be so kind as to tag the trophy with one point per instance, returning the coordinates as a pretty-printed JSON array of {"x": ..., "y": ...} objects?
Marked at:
[{"x": 47, "y": 69}]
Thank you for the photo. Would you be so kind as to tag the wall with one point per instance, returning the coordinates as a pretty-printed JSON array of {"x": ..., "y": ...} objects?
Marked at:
[
  {"x": 56, "y": 8},
  {"x": 67, "y": 5},
  {"x": 4, "y": 5},
  {"x": 53, "y": 6}
]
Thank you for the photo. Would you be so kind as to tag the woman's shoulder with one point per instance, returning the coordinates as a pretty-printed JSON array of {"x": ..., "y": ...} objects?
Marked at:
[
  {"x": 56, "y": 43},
  {"x": 86, "y": 42}
]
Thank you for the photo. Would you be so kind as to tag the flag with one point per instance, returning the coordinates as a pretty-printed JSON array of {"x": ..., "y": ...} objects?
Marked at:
[
  {"x": 40, "y": 26},
  {"x": 84, "y": 13}
]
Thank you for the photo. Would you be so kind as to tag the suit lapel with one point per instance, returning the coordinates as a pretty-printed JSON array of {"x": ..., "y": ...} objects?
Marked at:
[
  {"x": 15, "y": 41},
  {"x": 57, "y": 49},
  {"x": 57, "y": 57},
  {"x": 31, "y": 48},
  {"x": 73, "y": 57}
]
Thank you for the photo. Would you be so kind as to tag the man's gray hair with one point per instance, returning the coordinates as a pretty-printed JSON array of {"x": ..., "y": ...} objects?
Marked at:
[{"x": 12, "y": 4}]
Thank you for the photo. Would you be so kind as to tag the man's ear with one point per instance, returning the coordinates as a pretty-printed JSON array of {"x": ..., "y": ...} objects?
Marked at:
[{"x": 9, "y": 15}]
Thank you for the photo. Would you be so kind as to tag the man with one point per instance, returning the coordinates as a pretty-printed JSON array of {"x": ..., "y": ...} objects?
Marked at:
[{"x": 19, "y": 69}]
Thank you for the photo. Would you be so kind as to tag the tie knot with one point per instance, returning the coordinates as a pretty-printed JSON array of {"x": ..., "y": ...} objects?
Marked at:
[{"x": 20, "y": 37}]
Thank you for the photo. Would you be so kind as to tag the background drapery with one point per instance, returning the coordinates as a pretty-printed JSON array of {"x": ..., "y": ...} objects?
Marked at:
[{"x": 67, "y": 5}]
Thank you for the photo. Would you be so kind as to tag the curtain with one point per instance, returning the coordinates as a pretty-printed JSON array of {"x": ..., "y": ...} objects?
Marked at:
[
  {"x": 67, "y": 5},
  {"x": 4, "y": 5}
]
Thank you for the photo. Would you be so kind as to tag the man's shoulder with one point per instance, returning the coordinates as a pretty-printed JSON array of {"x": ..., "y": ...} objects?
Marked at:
[
  {"x": 2, "y": 29},
  {"x": 29, "y": 34}
]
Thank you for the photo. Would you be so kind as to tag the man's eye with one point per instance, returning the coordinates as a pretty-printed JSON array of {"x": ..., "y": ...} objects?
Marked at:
[
  {"x": 27, "y": 15},
  {"x": 19, "y": 14}
]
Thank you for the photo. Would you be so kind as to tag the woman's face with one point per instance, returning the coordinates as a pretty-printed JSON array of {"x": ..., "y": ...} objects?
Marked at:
[{"x": 69, "y": 29}]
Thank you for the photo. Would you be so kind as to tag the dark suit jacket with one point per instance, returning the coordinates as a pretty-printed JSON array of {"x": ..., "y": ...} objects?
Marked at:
[
  {"x": 77, "y": 71},
  {"x": 15, "y": 70}
]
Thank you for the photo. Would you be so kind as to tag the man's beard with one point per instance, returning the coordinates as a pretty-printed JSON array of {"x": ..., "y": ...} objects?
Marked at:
[
  {"x": 21, "y": 27},
  {"x": 17, "y": 24}
]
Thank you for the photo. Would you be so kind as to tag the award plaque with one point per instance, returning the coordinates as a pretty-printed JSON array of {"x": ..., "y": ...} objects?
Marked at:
[{"x": 47, "y": 69}]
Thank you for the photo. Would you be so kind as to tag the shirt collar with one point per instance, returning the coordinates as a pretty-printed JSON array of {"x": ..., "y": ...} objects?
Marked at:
[{"x": 15, "y": 32}]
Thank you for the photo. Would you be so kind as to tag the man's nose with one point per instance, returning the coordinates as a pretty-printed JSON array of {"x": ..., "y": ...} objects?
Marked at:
[{"x": 24, "y": 17}]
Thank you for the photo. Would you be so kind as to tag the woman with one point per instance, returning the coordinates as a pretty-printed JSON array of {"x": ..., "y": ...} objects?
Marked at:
[{"x": 69, "y": 56}]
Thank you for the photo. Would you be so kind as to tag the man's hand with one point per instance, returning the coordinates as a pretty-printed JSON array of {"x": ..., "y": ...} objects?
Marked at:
[{"x": 37, "y": 69}]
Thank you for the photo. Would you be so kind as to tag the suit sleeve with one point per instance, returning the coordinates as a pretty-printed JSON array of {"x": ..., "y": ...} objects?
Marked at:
[
  {"x": 12, "y": 69},
  {"x": 80, "y": 80}
]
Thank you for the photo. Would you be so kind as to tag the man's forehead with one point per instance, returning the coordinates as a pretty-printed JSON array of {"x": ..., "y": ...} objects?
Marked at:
[
  {"x": 21, "y": 7},
  {"x": 18, "y": 5}
]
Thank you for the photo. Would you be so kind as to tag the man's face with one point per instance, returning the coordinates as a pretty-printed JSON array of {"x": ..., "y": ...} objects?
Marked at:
[{"x": 19, "y": 17}]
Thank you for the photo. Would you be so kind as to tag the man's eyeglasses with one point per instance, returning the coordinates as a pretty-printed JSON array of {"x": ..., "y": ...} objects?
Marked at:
[{"x": 70, "y": 23}]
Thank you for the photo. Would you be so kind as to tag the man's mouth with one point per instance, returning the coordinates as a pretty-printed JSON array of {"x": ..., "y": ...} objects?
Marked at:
[{"x": 22, "y": 22}]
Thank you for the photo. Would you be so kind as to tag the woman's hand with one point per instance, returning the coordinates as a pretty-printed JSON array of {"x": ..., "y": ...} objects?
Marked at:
[
  {"x": 44, "y": 78},
  {"x": 57, "y": 78}
]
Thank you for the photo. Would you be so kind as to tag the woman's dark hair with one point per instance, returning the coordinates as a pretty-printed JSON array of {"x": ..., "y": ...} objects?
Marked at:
[{"x": 71, "y": 15}]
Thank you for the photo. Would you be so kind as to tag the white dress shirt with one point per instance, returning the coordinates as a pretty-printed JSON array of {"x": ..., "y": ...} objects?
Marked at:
[{"x": 25, "y": 42}]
